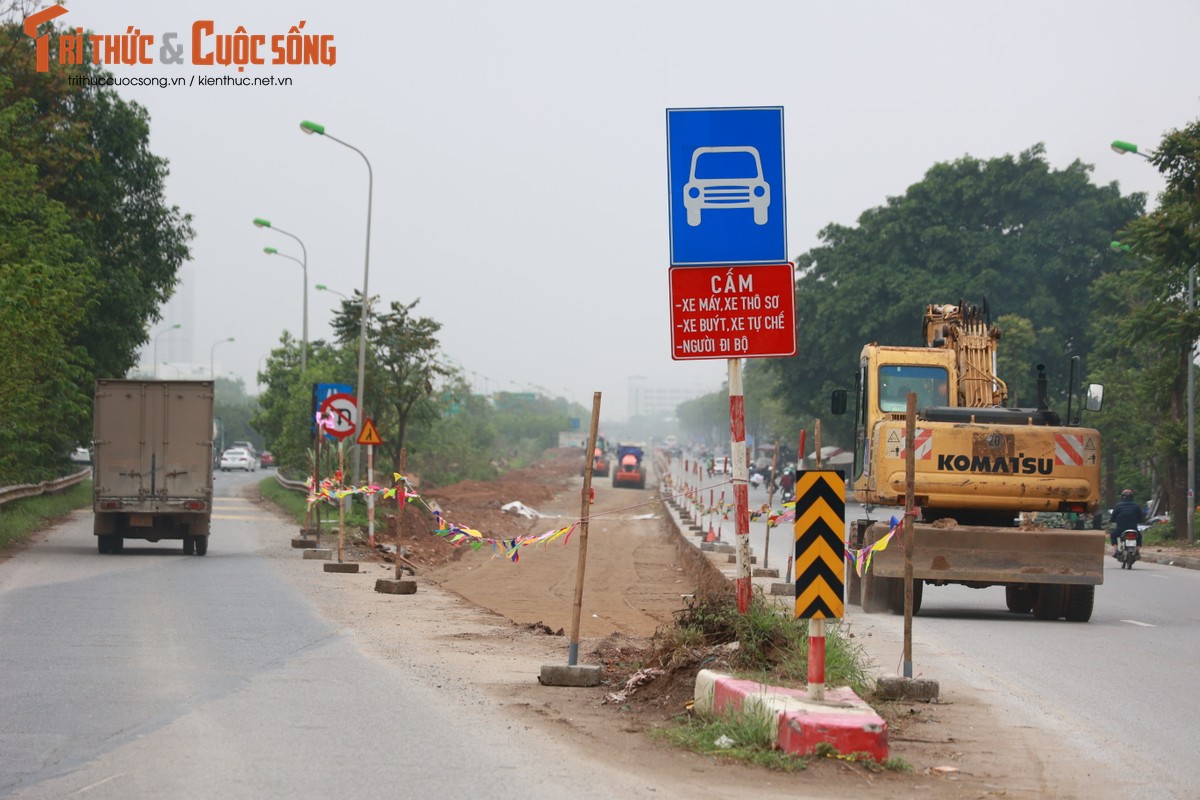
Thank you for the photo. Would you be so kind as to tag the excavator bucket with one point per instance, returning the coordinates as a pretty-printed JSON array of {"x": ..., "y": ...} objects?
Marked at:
[{"x": 977, "y": 555}]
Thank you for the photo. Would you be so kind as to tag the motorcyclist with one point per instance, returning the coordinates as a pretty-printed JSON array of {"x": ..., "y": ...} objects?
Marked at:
[{"x": 1125, "y": 516}]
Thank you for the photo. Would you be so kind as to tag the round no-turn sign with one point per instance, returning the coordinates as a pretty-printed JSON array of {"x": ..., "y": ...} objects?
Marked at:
[{"x": 343, "y": 413}]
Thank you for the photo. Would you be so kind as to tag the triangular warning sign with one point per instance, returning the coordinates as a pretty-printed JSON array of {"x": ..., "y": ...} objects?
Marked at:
[{"x": 369, "y": 435}]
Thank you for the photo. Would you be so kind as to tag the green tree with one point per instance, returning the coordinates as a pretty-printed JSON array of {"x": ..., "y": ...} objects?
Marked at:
[
  {"x": 403, "y": 367},
  {"x": 1144, "y": 315},
  {"x": 1026, "y": 238},
  {"x": 46, "y": 289},
  {"x": 92, "y": 152}
]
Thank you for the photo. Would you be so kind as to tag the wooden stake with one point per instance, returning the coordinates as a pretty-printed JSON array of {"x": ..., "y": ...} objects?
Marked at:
[
  {"x": 584, "y": 514},
  {"x": 401, "y": 502},
  {"x": 341, "y": 501},
  {"x": 771, "y": 504}
]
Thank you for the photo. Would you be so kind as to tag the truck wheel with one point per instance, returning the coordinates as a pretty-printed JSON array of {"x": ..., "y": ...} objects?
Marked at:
[
  {"x": 1019, "y": 599},
  {"x": 102, "y": 543},
  {"x": 201, "y": 545},
  {"x": 1080, "y": 600},
  {"x": 189, "y": 545},
  {"x": 875, "y": 593},
  {"x": 896, "y": 595},
  {"x": 116, "y": 544},
  {"x": 1048, "y": 601}
]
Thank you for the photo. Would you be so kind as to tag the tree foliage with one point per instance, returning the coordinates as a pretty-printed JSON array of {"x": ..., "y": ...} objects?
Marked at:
[
  {"x": 1027, "y": 239},
  {"x": 46, "y": 290},
  {"x": 1149, "y": 330},
  {"x": 89, "y": 248}
]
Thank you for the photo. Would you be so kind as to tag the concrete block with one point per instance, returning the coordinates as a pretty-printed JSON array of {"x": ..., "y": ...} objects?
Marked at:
[
  {"x": 341, "y": 567},
  {"x": 733, "y": 558},
  {"x": 323, "y": 553},
  {"x": 764, "y": 573},
  {"x": 392, "y": 586},
  {"x": 563, "y": 675},
  {"x": 708, "y": 547},
  {"x": 800, "y": 724},
  {"x": 787, "y": 589},
  {"x": 303, "y": 542},
  {"x": 919, "y": 690},
  {"x": 725, "y": 548}
]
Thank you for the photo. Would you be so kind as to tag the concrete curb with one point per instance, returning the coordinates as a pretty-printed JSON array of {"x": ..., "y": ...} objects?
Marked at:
[{"x": 842, "y": 720}]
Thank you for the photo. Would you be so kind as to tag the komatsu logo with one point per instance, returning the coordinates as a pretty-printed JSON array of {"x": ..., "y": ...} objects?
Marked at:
[{"x": 1016, "y": 465}]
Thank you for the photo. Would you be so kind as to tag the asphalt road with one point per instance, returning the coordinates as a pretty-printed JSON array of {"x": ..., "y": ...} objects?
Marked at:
[
  {"x": 152, "y": 674},
  {"x": 1121, "y": 687}
]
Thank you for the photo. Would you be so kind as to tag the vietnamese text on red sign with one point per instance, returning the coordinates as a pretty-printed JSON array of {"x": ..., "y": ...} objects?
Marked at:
[{"x": 730, "y": 312}]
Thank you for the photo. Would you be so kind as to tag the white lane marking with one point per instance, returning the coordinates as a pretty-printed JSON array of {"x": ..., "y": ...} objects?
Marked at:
[
  {"x": 1141, "y": 624},
  {"x": 97, "y": 783}
]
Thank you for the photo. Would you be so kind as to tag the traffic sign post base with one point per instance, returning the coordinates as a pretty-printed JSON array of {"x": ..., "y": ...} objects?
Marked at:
[
  {"x": 341, "y": 566},
  {"x": 918, "y": 690},
  {"x": 395, "y": 586},
  {"x": 321, "y": 553},
  {"x": 581, "y": 675}
]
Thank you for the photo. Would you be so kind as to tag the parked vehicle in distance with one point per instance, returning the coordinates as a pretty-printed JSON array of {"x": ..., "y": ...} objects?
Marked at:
[
  {"x": 81, "y": 455},
  {"x": 238, "y": 458},
  {"x": 266, "y": 460},
  {"x": 244, "y": 445}
]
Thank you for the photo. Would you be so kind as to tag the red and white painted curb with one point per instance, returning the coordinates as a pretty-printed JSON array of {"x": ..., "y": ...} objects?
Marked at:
[{"x": 843, "y": 720}]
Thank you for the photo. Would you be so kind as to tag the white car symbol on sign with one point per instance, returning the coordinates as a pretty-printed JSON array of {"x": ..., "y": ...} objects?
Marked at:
[{"x": 726, "y": 178}]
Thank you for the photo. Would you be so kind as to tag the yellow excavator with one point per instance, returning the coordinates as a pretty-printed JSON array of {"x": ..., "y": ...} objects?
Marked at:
[{"x": 979, "y": 466}]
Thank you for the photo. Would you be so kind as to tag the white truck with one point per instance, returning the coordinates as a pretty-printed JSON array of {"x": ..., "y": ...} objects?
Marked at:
[{"x": 153, "y": 463}]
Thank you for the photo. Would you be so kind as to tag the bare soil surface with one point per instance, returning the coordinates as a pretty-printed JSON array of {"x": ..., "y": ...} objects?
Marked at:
[{"x": 483, "y": 627}]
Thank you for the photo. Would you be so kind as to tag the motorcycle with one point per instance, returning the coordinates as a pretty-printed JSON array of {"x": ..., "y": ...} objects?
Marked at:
[{"x": 1127, "y": 549}]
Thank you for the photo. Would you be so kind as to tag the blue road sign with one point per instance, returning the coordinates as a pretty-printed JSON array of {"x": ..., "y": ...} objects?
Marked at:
[
  {"x": 725, "y": 179},
  {"x": 321, "y": 393}
]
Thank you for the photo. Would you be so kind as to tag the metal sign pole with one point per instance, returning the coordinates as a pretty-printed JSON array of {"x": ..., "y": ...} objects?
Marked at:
[{"x": 910, "y": 435}]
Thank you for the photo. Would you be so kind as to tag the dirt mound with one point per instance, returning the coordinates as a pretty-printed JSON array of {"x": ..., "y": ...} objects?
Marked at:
[{"x": 475, "y": 504}]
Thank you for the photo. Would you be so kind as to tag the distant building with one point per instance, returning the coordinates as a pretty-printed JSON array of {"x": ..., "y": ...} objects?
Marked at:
[{"x": 653, "y": 398}]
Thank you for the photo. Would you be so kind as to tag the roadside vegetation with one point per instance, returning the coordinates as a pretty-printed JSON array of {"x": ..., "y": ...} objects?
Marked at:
[
  {"x": 766, "y": 645},
  {"x": 21, "y": 518}
]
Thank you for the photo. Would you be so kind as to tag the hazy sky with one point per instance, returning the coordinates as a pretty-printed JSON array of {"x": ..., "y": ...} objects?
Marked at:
[{"x": 519, "y": 150}]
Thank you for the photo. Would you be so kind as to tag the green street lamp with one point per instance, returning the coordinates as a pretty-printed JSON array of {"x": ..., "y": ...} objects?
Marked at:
[
  {"x": 259, "y": 222},
  {"x": 311, "y": 128},
  {"x": 323, "y": 288},
  {"x": 174, "y": 327},
  {"x": 211, "y": 353},
  {"x": 1122, "y": 148}
]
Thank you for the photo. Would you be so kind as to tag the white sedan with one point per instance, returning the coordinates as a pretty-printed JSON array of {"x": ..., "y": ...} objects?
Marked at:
[{"x": 238, "y": 458}]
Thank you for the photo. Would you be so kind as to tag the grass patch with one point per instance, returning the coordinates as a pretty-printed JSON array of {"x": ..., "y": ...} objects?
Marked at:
[
  {"x": 742, "y": 736},
  {"x": 735, "y": 735},
  {"x": 21, "y": 518},
  {"x": 772, "y": 645}
]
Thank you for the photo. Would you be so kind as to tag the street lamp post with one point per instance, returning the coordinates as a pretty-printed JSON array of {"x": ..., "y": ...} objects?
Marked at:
[
  {"x": 174, "y": 327},
  {"x": 271, "y": 251},
  {"x": 262, "y": 223},
  {"x": 1122, "y": 148},
  {"x": 311, "y": 128},
  {"x": 211, "y": 353}
]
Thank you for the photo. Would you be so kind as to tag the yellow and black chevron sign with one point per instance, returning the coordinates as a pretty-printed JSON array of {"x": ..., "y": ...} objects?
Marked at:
[{"x": 820, "y": 550}]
